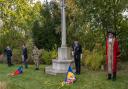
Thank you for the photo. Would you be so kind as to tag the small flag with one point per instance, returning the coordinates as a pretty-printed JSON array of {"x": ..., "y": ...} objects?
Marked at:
[
  {"x": 17, "y": 72},
  {"x": 70, "y": 77}
]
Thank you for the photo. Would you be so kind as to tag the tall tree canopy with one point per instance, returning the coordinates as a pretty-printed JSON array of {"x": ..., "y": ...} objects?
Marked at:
[
  {"x": 46, "y": 31},
  {"x": 86, "y": 20}
]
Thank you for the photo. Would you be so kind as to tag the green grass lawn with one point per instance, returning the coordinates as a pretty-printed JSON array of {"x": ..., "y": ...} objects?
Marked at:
[{"x": 32, "y": 79}]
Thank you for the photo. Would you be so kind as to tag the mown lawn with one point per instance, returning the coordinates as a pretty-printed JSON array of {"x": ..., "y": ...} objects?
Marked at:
[{"x": 32, "y": 79}]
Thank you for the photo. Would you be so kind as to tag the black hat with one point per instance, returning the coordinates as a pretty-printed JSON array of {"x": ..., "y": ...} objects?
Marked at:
[{"x": 112, "y": 32}]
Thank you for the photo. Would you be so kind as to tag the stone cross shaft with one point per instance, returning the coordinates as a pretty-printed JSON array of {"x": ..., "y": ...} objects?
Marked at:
[{"x": 63, "y": 24}]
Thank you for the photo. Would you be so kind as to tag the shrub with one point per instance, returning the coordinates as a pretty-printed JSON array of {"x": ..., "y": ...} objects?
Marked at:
[
  {"x": 16, "y": 57},
  {"x": 0, "y": 51},
  {"x": 48, "y": 56},
  {"x": 53, "y": 54},
  {"x": 93, "y": 59},
  {"x": 85, "y": 54},
  {"x": 17, "y": 53}
]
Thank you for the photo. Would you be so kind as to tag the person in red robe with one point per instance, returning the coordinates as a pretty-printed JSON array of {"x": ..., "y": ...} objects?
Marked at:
[{"x": 112, "y": 54}]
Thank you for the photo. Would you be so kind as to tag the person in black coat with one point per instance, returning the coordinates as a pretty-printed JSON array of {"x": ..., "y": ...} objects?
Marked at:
[
  {"x": 24, "y": 56},
  {"x": 77, "y": 52},
  {"x": 8, "y": 53}
]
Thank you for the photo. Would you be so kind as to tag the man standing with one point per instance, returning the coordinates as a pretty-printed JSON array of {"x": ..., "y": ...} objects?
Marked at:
[
  {"x": 112, "y": 53},
  {"x": 8, "y": 52},
  {"x": 77, "y": 52},
  {"x": 24, "y": 56},
  {"x": 35, "y": 55}
]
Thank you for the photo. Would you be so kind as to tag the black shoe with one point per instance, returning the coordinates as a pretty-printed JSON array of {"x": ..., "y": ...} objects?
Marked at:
[
  {"x": 114, "y": 76},
  {"x": 37, "y": 69},
  {"x": 26, "y": 67},
  {"x": 109, "y": 77},
  {"x": 9, "y": 65},
  {"x": 78, "y": 73},
  {"x": 113, "y": 79}
]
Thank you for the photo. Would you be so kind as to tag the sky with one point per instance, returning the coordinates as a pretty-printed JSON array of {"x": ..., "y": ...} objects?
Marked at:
[
  {"x": 125, "y": 13},
  {"x": 43, "y": 0}
]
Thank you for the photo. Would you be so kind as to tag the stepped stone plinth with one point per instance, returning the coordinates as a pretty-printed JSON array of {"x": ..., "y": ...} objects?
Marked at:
[{"x": 61, "y": 64}]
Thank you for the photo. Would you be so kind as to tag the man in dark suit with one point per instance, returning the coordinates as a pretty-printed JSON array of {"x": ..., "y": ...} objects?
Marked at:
[
  {"x": 24, "y": 56},
  {"x": 77, "y": 52},
  {"x": 8, "y": 53}
]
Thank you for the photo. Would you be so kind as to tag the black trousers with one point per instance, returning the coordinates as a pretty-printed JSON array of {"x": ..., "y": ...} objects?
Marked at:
[
  {"x": 25, "y": 63},
  {"x": 112, "y": 76},
  {"x": 77, "y": 63},
  {"x": 9, "y": 61}
]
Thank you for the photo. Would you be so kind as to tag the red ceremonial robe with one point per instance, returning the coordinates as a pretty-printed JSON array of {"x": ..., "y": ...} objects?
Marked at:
[{"x": 116, "y": 53}]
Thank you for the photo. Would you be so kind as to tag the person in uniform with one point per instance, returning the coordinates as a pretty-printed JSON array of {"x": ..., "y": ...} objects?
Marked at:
[
  {"x": 24, "y": 55},
  {"x": 112, "y": 54},
  {"x": 8, "y": 53},
  {"x": 35, "y": 56},
  {"x": 77, "y": 52}
]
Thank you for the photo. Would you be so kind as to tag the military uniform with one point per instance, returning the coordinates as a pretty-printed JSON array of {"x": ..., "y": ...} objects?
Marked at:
[
  {"x": 25, "y": 56},
  {"x": 35, "y": 55},
  {"x": 77, "y": 51},
  {"x": 8, "y": 52}
]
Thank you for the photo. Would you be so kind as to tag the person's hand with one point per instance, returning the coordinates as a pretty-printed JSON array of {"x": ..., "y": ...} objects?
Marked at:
[
  {"x": 22, "y": 57},
  {"x": 72, "y": 53},
  {"x": 27, "y": 60},
  {"x": 81, "y": 56},
  {"x": 118, "y": 58}
]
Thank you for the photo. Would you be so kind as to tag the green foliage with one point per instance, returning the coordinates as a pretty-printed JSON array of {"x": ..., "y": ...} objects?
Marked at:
[
  {"x": 45, "y": 31},
  {"x": 48, "y": 56},
  {"x": 93, "y": 60},
  {"x": 18, "y": 17},
  {"x": 12, "y": 38},
  {"x": 53, "y": 54},
  {"x": 30, "y": 45},
  {"x": 123, "y": 39},
  {"x": 16, "y": 58},
  {"x": 17, "y": 13},
  {"x": 1, "y": 50},
  {"x": 85, "y": 53},
  {"x": 89, "y": 21},
  {"x": 86, "y": 20}
]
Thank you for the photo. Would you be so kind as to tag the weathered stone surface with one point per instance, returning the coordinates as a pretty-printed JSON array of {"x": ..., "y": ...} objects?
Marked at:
[
  {"x": 64, "y": 59},
  {"x": 61, "y": 64}
]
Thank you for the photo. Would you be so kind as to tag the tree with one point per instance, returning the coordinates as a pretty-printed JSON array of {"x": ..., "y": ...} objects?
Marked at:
[
  {"x": 46, "y": 32},
  {"x": 18, "y": 18}
]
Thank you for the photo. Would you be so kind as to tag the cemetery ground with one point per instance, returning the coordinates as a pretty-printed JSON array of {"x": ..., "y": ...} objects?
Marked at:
[{"x": 32, "y": 79}]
